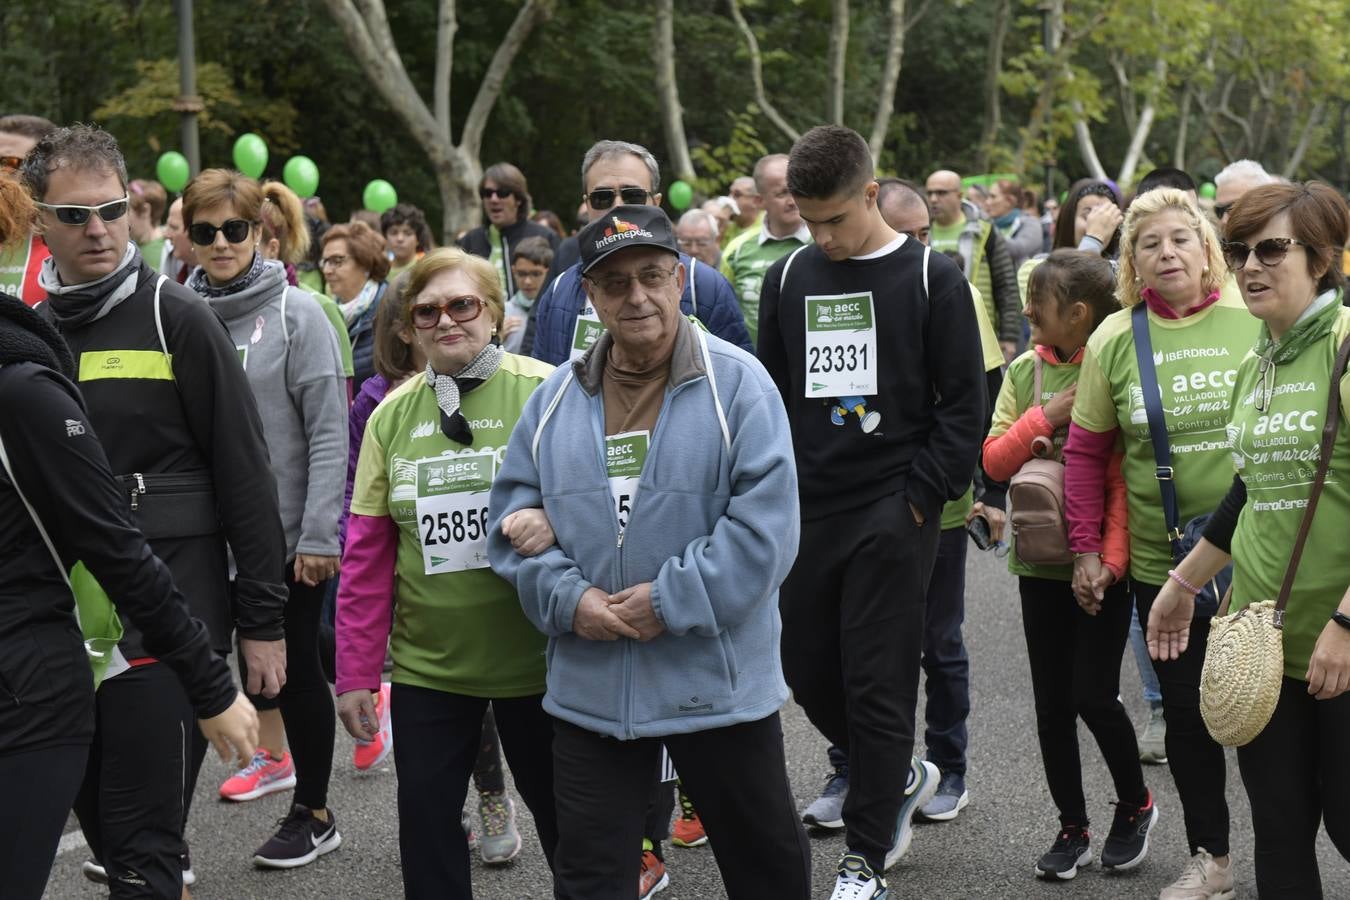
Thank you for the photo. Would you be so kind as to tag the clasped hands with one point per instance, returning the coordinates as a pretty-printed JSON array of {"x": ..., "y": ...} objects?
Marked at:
[{"x": 607, "y": 617}]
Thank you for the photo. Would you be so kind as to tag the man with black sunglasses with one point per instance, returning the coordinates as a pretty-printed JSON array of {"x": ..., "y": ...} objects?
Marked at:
[
  {"x": 506, "y": 206},
  {"x": 171, "y": 403},
  {"x": 1234, "y": 180},
  {"x": 20, "y": 264},
  {"x": 566, "y": 324}
]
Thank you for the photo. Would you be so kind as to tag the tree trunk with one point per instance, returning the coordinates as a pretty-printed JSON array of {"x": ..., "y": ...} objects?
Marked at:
[
  {"x": 1314, "y": 119},
  {"x": 458, "y": 168},
  {"x": 1179, "y": 153},
  {"x": 890, "y": 76},
  {"x": 838, "y": 53},
  {"x": 668, "y": 92},
  {"x": 1086, "y": 148},
  {"x": 993, "y": 109},
  {"x": 1144, "y": 125},
  {"x": 757, "y": 74}
]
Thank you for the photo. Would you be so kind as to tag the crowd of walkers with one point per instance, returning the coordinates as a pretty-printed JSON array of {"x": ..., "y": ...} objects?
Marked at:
[{"x": 536, "y": 500}]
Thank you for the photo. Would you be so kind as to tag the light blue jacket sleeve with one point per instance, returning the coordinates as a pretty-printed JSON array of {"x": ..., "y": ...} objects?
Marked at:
[
  {"x": 549, "y": 585},
  {"x": 722, "y": 579}
]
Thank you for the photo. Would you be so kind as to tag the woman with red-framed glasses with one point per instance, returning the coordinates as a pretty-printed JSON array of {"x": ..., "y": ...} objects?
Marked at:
[{"x": 415, "y": 576}]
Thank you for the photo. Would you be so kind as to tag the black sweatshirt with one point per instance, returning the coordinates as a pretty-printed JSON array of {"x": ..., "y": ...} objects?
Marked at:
[
  {"x": 199, "y": 420},
  {"x": 46, "y": 689},
  {"x": 930, "y": 379}
]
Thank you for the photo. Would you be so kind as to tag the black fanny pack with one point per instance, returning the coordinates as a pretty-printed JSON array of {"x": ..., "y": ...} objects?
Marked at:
[{"x": 172, "y": 505}]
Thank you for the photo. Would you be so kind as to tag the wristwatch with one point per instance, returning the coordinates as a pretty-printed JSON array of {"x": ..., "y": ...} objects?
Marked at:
[{"x": 1341, "y": 619}]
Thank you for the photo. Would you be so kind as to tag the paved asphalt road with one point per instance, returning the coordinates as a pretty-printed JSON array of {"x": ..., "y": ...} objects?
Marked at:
[{"x": 988, "y": 852}]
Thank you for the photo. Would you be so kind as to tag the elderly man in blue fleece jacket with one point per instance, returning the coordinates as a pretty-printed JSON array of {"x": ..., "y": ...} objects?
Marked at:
[{"x": 663, "y": 460}]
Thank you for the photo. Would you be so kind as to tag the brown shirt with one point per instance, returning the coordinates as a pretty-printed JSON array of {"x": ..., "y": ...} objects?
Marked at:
[{"x": 633, "y": 399}]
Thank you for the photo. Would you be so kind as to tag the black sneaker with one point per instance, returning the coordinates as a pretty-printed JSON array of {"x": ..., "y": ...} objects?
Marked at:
[
  {"x": 1127, "y": 844},
  {"x": 1071, "y": 850},
  {"x": 301, "y": 839}
]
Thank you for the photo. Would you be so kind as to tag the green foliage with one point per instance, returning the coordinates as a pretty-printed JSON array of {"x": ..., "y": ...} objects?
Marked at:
[{"x": 719, "y": 166}]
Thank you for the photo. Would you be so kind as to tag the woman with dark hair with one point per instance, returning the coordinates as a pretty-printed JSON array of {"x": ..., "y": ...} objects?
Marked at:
[
  {"x": 506, "y": 204},
  {"x": 550, "y": 218},
  {"x": 1284, "y": 244},
  {"x": 1089, "y": 221},
  {"x": 356, "y": 270},
  {"x": 407, "y": 235}
]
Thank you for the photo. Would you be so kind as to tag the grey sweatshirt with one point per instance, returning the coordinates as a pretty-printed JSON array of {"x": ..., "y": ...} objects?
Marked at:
[{"x": 295, "y": 370}]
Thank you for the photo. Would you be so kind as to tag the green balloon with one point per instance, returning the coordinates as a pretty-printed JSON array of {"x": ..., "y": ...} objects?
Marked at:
[
  {"x": 301, "y": 176},
  {"x": 379, "y": 196},
  {"x": 1207, "y": 190},
  {"x": 250, "y": 155},
  {"x": 681, "y": 195},
  {"x": 172, "y": 171}
]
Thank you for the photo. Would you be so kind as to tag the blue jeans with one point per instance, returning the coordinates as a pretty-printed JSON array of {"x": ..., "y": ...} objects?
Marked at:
[{"x": 1149, "y": 678}]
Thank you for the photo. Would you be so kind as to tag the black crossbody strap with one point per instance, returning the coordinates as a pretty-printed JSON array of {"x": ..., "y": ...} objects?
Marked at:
[{"x": 1157, "y": 427}]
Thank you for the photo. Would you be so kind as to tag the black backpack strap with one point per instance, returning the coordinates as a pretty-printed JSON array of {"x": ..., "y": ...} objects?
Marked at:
[{"x": 1157, "y": 427}]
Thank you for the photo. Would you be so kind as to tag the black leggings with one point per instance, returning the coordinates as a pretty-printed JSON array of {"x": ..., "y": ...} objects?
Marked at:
[
  {"x": 131, "y": 804},
  {"x": 1075, "y": 673},
  {"x": 306, "y": 703},
  {"x": 40, "y": 786},
  {"x": 1294, "y": 772},
  {"x": 1197, "y": 762},
  {"x": 436, "y": 743}
]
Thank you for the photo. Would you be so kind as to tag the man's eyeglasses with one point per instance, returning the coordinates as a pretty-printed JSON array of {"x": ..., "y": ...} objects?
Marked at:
[
  {"x": 652, "y": 278},
  {"x": 72, "y": 214},
  {"x": 939, "y": 192},
  {"x": 459, "y": 309},
  {"x": 203, "y": 234},
  {"x": 1270, "y": 252},
  {"x": 11, "y": 162},
  {"x": 499, "y": 193},
  {"x": 695, "y": 242},
  {"x": 601, "y": 199},
  {"x": 1221, "y": 210}
]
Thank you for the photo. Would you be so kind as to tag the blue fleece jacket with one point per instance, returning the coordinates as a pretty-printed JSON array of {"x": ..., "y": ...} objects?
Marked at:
[
  {"x": 707, "y": 295},
  {"x": 713, "y": 526}
]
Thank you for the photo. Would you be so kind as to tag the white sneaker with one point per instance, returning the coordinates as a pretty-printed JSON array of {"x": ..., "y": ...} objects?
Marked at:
[
  {"x": 1202, "y": 879},
  {"x": 857, "y": 881},
  {"x": 922, "y": 785}
]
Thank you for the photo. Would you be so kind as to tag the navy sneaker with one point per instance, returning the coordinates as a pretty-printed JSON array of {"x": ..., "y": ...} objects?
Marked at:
[
  {"x": 827, "y": 810},
  {"x": 1071, "y": 851},
  {"x": 1127, "y": 843},
  {"x": 301, "y": 839},
  {"x": 950, "y": 799}
]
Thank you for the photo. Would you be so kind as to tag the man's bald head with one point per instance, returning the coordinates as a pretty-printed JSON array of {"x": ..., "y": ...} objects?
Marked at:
[
  {"x": 903, "y": 207},
  {"x": 944, "y": 196}
]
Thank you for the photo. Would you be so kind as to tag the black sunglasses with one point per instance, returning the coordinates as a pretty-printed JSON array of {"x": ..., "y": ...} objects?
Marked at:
[
  {"x": 236, "y": 231},
  {"x": 1270, "y": 252},
  {"x": 602, "y": 199},
  {"x": 499, "y": 193},
  {"x": 72, "y": 214}
]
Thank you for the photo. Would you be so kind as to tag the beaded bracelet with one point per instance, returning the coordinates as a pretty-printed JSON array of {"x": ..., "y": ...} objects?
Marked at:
[{"x": 1172, "y": 574}]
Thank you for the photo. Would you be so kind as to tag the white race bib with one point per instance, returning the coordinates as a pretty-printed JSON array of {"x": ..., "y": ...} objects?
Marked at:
[
  {"x": 452, "y": 511},
  {"x": 625, "y": 454},
  {"x": 587, "y": 332},
  {"x": 841, "y": 346}
]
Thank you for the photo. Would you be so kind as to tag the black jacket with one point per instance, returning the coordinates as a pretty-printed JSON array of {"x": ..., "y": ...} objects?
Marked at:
[
  {"x": 478, "y": 243},
  {"x": 46, "y": 688},
  {"x": 189, "y": 428}
]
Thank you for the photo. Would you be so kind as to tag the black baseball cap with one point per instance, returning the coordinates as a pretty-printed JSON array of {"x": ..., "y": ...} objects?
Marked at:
[{"x": 623, "y": 227}]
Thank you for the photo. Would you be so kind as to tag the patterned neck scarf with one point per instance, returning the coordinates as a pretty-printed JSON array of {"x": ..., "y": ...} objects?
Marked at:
[
  {"x": 353, "y": 310},
  {"x": 202, "y": 285},
  {"x": 448, "y": 389}
]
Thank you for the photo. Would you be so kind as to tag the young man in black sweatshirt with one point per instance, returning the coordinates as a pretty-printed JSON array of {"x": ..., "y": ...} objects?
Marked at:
[{"x": 873, "y": 343}]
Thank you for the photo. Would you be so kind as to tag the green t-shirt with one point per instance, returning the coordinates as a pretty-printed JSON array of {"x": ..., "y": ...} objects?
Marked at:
[
  {"x": 312, "y": 281},
  {"x": 1276, "y": 453},
  {"x": 945, "y": 238},
  {"x": 495, "y": 256},
  {"x": 334, "y": 314},
  {"x": 744, "y": 263},
  {"x": 734, "y": 231},
  {"x": 1014, "y": 399},
  {"x": 152, "y": 251},
  {"x": 461, "y": 629},
  {"x": 1196, "y": 359}
]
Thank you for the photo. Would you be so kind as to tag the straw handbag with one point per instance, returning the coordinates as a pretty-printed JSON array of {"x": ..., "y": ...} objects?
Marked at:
[{"x": 1240, "y": 681}]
